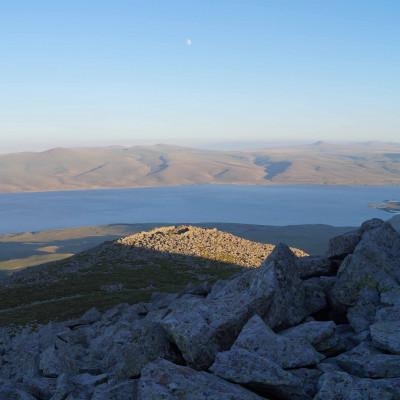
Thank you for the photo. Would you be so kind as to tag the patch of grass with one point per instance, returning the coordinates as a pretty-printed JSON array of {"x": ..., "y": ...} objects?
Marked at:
[{"x": 74, "y": 294}]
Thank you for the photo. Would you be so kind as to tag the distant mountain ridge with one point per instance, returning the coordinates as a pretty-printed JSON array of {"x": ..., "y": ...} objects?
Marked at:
[{"x": 319, "y": 163}]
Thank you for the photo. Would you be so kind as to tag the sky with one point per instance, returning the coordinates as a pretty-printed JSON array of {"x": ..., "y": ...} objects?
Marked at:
[{"x": 124, "y": 72}]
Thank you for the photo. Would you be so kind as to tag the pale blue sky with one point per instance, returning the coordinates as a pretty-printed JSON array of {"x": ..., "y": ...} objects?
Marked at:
[{"x": 100, "y": 72}]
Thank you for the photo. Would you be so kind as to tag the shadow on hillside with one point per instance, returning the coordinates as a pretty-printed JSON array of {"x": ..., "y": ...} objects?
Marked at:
[
  {"x": 12, "y": 250},
  {"x": 43, "y": 293},
  {"x": 27, "y": 250}
]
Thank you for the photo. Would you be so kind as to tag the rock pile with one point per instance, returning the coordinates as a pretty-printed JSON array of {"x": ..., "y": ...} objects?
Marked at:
[
  {"x": 199, "y": 242},
  {"x": 321, "y": 328},
  {"x": 172, "y": 242}
]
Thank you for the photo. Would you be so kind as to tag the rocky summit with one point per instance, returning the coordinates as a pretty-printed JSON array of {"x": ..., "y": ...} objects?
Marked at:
[{"x": 295, "y": 328}]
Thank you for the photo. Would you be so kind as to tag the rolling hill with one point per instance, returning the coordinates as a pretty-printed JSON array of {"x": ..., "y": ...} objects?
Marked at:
[{"x": 164, "y": 165}]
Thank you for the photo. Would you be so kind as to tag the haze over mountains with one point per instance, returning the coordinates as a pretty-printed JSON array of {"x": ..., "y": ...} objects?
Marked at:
[{"x": 319, "y": 163}]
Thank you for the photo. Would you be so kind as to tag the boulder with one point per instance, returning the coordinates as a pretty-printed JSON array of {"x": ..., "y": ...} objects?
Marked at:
[
  {"x": 162, "y": 379},
  {"x": 314, "y": 266},
  {"x": 365, "y": 361},
  {"x": 10, "y": 392},
  {"x": 39, "y": 387},
  {"x": 256, "y": 337},
  {"x": 342, "y": 245},
  {"x": 361, "y": 316},
  {"x": 64, "y": 387},
  {"x": 143, "y": 343},
  {"x": 258, "y": 373},
  {"x": 91, "y": 316},
  {"x": 386, "y": 336},
  {"x": 316, "y": 293},
  {"x": 309, "y": 380},
  {"x": 340, "y": 385},
  {"x": 388, "y": 314},
  {"x": 391, "y": 297},
  {"x": 320, "y": 334},
  {"x": 288, "y": 304},
  {"x": 203, "y": 327},
  {"x": 372, "y": 269},
  {"x": 54, "y": 363},
  {"x": 123, "y": 391}
]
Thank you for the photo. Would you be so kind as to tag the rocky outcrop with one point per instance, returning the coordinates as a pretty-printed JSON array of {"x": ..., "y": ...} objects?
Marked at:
[{"x": 291, "y": 329}]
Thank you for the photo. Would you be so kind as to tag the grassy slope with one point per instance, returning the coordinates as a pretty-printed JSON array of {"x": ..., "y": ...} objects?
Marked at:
[{"x": 160, "y": 165}]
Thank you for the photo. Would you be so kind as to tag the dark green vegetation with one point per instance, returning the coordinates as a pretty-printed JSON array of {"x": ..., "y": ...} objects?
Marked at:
[
  {"x": 162, "y": 165},
  {"x": 26, "y": 249},
  {"x": 69, "y": 296},
  {"x": 105, "y": 276}
]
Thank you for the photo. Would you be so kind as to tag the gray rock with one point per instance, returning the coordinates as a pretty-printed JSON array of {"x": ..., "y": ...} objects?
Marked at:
[
  {"x": 144, "y": 308},
  {"x": 372, "y": 269},
  {"x": 143, "y": 343},
  {"x": 89, "y": 380},
  {"x": 313, "y": 332},
  {"x": 258, "y": 338},
  {"x": 340, "y": 385},
  {"x": 164, "y": 380},
  {"x": 315, "y": 295},
  {"x": 63, "y": 388},
  {"x": 320, "y": 334},
  {"x": 361, "y": 317},
  {"x": 258, "y": 373},
  {"x": 386, "y": 336},
  {"x": 54, "y": 363},
  {"x": 288, "y": 305},
  {"x": 91, "y": 316},
  {"x": 314, "y": 266},
  {"x": 309, "y": 380},
  {"x": 329, "y": 365},
  {"x": 11, "y": 393},
  {"x": 202, "y": 290},
  {"x": 388, "y": 314},
  {"x": 162, "y": 300},
  {"x": 124, "y": 391},
  {"x": 112, "y": 315},
  {"x": 39, "y": 387},
  {"x": 362, "y": 337},
  {"x": 342, "y": 245},
  {"x": 391, "y": 297},
  {"x": 203, "y": 327},
  {"x": 365, "y": 361}
]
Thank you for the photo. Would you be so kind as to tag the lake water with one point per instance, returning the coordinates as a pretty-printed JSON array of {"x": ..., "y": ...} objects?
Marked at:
[{"x": 269, "y": 205}]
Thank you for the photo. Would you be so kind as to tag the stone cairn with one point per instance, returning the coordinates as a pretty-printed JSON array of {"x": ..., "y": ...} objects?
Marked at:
[{"x": 321, "y": 328}]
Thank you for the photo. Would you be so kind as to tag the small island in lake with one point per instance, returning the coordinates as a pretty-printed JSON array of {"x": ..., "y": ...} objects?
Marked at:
[{"x": 392, "y": 206}]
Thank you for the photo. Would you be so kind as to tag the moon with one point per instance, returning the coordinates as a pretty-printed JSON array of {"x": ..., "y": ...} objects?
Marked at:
[{"x": 188, "y": 42}]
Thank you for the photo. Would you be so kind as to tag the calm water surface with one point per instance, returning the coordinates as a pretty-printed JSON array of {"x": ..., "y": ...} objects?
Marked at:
[{"x": 269, "y": 205}]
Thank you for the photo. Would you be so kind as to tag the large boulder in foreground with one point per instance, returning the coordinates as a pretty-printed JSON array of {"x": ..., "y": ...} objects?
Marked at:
[
  {"x": 203, "y": 327},
  {"x": 373, "y": 268},
  {"x": 257, "y": 372},
  {"x": 259, "y": 359},
  {"x": 164, "y": 380}
]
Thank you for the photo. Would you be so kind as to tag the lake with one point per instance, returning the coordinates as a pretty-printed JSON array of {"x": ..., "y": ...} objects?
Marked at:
[{"x": 269, "y": 205}]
